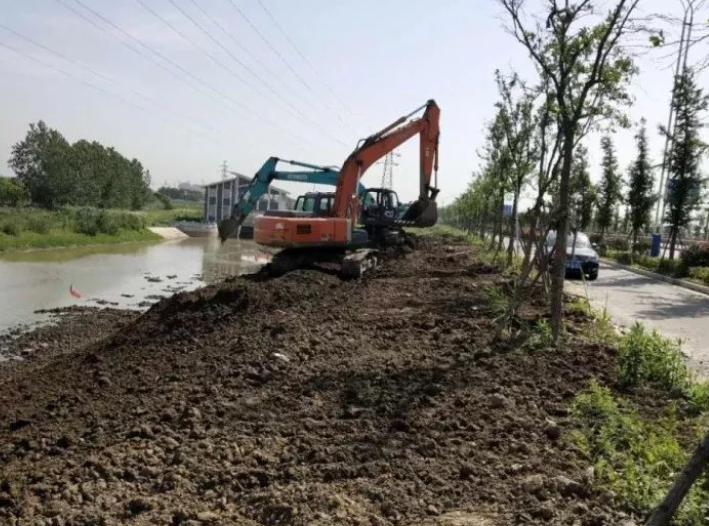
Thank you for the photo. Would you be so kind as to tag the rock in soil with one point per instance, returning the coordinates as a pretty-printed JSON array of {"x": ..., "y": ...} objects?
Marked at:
[{"x": 395, "y": 405}]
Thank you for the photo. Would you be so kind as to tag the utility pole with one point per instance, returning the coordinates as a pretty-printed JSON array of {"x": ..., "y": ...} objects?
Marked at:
[
  {"x": 685, "y": 42},
  {"x": 388, "y": 174}
]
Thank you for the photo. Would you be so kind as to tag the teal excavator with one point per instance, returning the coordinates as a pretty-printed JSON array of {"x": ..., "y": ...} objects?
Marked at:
[{"x": 307, "y": 203}]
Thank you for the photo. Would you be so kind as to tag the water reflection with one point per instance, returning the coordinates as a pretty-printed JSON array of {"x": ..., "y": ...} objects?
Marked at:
[{"x": 126, "y": 276}]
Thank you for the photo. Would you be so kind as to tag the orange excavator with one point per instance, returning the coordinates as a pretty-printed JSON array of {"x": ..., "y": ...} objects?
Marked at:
[{"x": 348, "y": 228}]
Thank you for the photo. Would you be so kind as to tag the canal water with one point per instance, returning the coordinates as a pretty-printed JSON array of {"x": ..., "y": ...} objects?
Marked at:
[{"x": 123, "y": 276}]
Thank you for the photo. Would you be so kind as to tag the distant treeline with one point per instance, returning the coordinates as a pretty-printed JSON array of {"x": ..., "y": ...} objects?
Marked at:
[
  {"x": 181, "y": 194},
  {"x": 57, "y": 173}
]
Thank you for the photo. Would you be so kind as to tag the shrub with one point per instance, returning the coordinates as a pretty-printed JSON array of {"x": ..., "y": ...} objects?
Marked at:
[
  {"x": 13, "y": 192},
  {"x": 617, "y": 243},
  {"x": 698, "y": 398},
  {"x": 108, "y": 223},
  {"x": 676, "y": 268},
  {"x": 544, "y": 333},
  {"x": 624, "y": 258},
  {"x": 696, "y": 255},
  {"x": 648, "y": 358},
  {"x": 132, "y": 221},
  {"x": 643, "y": 246},
  {"x": 11, "y": 228},
  {"x": 40, "y": 223},
  {"x": 87, "y": 221},
  {"x": 700, "y": 274}
]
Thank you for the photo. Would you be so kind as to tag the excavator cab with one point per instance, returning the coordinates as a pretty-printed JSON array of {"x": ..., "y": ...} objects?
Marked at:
[
  {"x": 316, "y": 203},
  {"x": 380, "y": 207}
]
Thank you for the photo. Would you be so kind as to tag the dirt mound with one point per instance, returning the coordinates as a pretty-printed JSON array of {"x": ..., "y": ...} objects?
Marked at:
[{"x": 302, "y": 400}]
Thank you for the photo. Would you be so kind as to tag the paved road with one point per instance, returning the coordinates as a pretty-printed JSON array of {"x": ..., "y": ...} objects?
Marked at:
[{"x": 672, "y": 310}]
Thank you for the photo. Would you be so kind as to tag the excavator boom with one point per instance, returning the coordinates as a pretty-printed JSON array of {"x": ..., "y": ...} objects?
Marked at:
[{"x": 378, "y": 145}]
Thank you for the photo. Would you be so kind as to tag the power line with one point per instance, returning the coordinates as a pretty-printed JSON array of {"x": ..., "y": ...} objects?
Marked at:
[
  {"x": 157, "y": 53},
  {"x": 302, "y": 56},
  {"x": 238, "y": 61},
  {"x": 280, "y": 56},
  {"x": 246, "y": 51},
  {"x": 288, "y": 65},
  {"x": 126, "y": 44},
  {"x": 195, "y": 44},
  {"x": 185, "y": 72},
  {"x": 85, "y": 82},
  {"x": 105, "y": 77}
]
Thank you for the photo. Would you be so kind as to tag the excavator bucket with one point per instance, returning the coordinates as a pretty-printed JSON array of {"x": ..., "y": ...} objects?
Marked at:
[
  {"x": 227, "y": 227},
  {"x": 422, "y": 213}
]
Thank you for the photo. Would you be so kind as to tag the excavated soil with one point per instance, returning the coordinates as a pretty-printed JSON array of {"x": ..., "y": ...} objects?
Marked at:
[{"x": 300, "y": 400}]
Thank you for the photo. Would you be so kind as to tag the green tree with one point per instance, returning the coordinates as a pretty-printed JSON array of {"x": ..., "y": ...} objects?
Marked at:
[
  {"x": 498, "y": 174},
  {"x": 685, "y": 182},
  {"x": 83, "y": 174},
  {"x": 609, "y": 191},
  {"x": 581, "y": 60},
  {"x": 13, "y": 192},
  {"x": 42, "y": 163},
  {"x": 641, "y": 196},
  {"x": 584, "y": 191},
  {"x": 517, "y": 122}
]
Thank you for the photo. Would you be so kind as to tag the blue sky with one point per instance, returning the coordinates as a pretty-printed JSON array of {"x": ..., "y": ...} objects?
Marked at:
[{"x": 373, "y": 60}]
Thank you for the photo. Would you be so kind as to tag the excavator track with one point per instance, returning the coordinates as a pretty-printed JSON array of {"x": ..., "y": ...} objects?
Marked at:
[{"x": 349, "y": 264}]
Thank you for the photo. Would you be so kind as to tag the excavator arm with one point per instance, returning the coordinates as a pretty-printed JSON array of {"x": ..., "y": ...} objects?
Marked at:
[
  {"x": 262, "y": 180},
  {"x": 423, "y": 212}
]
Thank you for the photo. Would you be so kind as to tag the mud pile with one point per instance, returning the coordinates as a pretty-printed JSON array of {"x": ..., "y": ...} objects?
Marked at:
[{"x": 302, "y": 400}]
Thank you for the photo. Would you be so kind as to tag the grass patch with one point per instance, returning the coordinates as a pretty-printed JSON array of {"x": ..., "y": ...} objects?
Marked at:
[
  {"x": 674, "y": 268},
  {"x": 648, "y": 359},
  {"x": 699, "y": 275},
  {"x": 601, "y": 328},
  {"x": 446, "y": 231},
  {"x": 543, "y": 334},
  {"x": 170, "y": 217},
  {"x": 32, "y": 240},
  {"x": 498, "y": 301},
  {"x": 25, "y": 228},
  {"x": 635, "y": 460}
]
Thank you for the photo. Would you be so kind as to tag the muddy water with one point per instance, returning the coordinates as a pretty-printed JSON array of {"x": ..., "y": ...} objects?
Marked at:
[{"x": 125, "y": 276}]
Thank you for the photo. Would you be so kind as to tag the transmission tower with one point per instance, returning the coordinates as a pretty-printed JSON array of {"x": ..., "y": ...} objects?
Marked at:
[
  {"x": 224, "y": 170},
  {"x": 388, "y": 174}
]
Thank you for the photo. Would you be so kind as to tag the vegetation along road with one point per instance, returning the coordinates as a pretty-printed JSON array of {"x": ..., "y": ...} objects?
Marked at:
[{"x": 674, "y": 311}]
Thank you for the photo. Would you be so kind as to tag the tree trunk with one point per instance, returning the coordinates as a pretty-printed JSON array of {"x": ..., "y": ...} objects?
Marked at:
[
  {"x": 501, "y": 222},
  {"x": 491, "y": 247},
  {"x": 673, "y": 243},
  {"x": 530, "y": 243},
  {"x": 513, "y": 230},
  {"x": 667, "y": 508},
  {"x": 557, "y": 283}
]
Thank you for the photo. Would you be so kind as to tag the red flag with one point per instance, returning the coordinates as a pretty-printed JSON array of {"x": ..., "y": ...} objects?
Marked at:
[{"x": 73, "y": 291}]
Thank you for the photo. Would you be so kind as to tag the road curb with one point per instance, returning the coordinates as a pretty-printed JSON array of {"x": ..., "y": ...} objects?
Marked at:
[{"x": 659, "y": 277}]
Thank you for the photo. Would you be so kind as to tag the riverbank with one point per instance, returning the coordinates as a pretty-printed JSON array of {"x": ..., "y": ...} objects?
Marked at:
[
  {"x": 31, "y": 228},
  {"x": 404, "y": 404}
]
